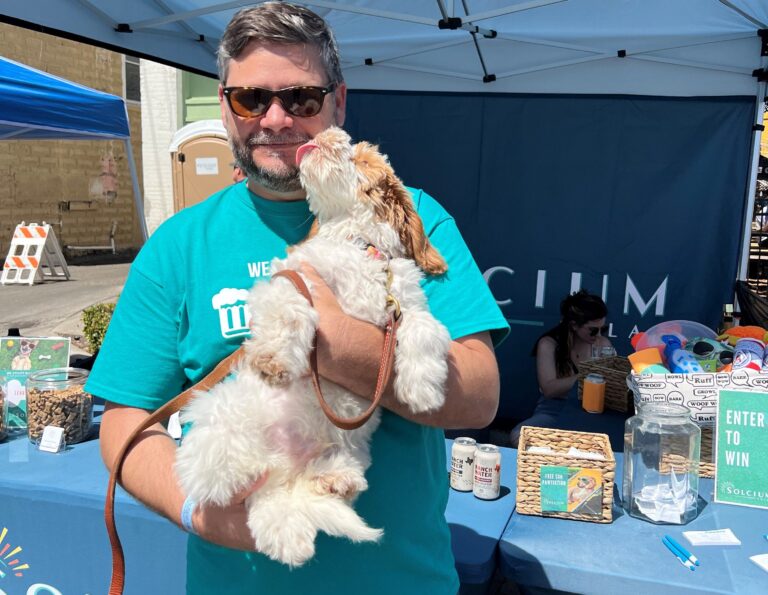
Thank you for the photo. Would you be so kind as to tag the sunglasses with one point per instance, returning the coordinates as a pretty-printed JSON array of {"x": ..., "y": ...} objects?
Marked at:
[
  {"x": 595, "y": 330},
  {"x": 251, "y": 102}
]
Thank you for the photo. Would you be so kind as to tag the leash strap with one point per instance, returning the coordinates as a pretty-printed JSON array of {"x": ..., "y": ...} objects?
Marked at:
[
  {"x": 224, "y": 367},
  {"x": 385, "y": 363}
]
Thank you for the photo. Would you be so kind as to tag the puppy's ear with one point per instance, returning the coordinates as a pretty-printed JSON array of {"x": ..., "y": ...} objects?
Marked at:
[{"x": 404, "y": 218}]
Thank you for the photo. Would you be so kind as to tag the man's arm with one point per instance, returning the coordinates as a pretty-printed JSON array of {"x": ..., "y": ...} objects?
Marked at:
[
  {"x": 148, "y": 475},
  {"x": 349, "y": 351}
]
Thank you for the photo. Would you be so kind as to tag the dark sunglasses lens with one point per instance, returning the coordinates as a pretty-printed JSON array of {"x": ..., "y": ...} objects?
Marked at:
[
  {"x": 248, "y": 102},
  {"x": 593, "y": 330},
  {"x": 702, "y": 348},
  {"x": 304, "y": 102}
]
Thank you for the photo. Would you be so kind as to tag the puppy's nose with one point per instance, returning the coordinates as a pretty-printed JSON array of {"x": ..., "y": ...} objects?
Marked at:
[{"x": 303, "y": 150}]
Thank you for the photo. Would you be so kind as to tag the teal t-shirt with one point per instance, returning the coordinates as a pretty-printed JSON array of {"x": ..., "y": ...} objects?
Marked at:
[{"x": 182, "y": 310}]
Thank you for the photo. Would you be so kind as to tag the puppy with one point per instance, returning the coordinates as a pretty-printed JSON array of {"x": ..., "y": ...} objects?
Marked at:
[
  {"x": 367, "y": 243},
  {"x": 22, "y": 360}
]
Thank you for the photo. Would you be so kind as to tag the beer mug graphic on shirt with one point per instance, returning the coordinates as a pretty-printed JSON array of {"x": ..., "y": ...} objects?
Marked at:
[{"x": 234, "y": 316}]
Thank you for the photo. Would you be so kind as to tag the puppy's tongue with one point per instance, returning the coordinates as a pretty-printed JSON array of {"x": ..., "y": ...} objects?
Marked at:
[{"x": 303, "y": 150}]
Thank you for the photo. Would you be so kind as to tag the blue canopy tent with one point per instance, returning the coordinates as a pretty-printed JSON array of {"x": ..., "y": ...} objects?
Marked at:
[{"x": 35, "y": 105}]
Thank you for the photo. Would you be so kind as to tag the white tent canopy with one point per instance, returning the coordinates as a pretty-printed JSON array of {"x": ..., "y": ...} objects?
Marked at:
[
  {"x": 638, "y": 47},
  {"x": 667, "y": 48}
]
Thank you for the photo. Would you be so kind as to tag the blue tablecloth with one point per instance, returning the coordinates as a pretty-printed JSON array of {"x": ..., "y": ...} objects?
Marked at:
[
  {"x": 476, "y": 525},
  {"x": 51, "y": 506},
  {"x": 627, "y": 556}
]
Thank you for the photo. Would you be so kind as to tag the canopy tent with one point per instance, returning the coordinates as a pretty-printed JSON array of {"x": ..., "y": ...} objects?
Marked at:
[
  {"x": 610, "y": 145},
  {"x": 35, "y": 105}
]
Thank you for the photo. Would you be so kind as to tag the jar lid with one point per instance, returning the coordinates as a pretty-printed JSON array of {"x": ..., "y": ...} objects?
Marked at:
[
  {"x": 595, "y": 378},
  {"x": 56, "y": 376},
  {"x": 670, "y": 410}
]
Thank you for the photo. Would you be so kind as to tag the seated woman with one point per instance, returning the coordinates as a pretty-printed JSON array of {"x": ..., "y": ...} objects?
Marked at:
[{"x": 558, "y": 353}]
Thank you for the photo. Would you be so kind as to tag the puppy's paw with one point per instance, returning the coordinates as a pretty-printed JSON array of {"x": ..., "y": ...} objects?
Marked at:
[
  {"x": 287, "y": 538},
  {"x": 344, "y": 484},
  {"x": 423, "y": 399},
  {"x": 271, "y": 369}
]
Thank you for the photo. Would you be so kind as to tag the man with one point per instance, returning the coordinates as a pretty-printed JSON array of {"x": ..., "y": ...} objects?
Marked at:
[{"x": 182, "y": 311}]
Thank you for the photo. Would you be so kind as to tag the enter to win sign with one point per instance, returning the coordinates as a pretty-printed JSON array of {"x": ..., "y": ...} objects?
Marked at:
[{"x": 742, "y": 448}]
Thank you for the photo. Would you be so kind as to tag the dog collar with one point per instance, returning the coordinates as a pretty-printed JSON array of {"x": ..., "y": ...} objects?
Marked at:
[{"x": 368, "y": 248}]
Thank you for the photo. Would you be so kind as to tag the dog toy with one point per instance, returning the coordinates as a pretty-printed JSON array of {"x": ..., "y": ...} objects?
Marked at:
[{"x": 732, "y": 335}]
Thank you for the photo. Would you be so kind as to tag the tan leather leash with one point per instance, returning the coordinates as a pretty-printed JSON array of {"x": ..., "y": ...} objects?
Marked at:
[
  {"x": 385, "y": 363},
  {"x": 224, "y": 367}
]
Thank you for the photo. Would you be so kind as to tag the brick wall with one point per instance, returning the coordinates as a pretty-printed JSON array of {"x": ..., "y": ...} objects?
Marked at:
[{"x": 69, "y": 183}]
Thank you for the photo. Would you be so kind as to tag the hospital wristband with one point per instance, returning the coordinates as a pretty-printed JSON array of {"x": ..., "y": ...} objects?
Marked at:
[{"x": 187, "y": 510}]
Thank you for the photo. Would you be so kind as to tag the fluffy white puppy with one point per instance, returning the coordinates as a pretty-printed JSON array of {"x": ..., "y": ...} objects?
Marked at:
[{"x": 367, "y": 243}]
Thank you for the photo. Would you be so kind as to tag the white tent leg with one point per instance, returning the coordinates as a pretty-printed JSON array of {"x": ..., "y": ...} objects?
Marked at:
[
  {"x": 137, "y": 198},
  {"x": 751, "y": 187}
]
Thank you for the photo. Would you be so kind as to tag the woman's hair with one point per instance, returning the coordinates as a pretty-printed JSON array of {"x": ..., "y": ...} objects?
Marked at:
[
  {"x": 279, "y": 22},
  {"x": 579, "y": 308}
]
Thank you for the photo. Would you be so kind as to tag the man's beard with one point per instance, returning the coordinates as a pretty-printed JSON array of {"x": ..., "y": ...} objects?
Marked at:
[{"x": 284, "y": 180}]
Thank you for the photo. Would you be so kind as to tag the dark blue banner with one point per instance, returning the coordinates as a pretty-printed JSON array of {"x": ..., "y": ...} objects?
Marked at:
[{"x": 638, "y": 199}]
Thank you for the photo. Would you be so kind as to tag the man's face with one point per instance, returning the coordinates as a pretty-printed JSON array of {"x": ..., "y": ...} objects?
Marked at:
[{"x": 265, "y": 146}]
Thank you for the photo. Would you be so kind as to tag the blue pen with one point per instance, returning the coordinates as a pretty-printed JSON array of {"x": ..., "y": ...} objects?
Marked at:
[
  {"x": 682, "y": 550},
  {"x": 683, "y": 560}
]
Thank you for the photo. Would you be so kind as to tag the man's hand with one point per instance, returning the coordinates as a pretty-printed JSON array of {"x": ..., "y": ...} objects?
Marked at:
[{"x": 227, "y": 525}]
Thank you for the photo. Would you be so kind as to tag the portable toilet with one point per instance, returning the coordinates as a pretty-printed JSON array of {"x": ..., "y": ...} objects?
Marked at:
[{"x": 202, "y": 162}]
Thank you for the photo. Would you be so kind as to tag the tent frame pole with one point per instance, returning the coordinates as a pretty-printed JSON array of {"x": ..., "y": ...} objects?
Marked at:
[
  {"x": 762, "y": 88},
  {"x": 137, "y": 198}
]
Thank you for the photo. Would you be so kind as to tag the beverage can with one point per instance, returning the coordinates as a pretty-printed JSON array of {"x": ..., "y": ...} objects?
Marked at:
[
  {"x": 748, "y": 354},
  {"x": 593, "y": 393},
  {"x": 463, "y": 464},
  {"x": 487, "y": 482}
]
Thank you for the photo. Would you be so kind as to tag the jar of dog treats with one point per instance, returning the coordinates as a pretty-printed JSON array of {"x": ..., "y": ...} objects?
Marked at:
[{"x": 56, "y": 397}]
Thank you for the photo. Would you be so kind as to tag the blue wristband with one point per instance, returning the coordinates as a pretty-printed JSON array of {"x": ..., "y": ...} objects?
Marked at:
[{"x": 186, "y": 515}]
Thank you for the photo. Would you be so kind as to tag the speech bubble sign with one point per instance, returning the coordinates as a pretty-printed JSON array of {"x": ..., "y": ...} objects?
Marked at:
[
  {"x": 651, "y": 385},
  {"x": 723, "y": 379},
  {"x": 703, "y": 418},
  {"x": 675, "y": 379},
  {"x": 702, "y": 380},
  {"x": 701, "y": 405},
  {"x": 761, "y": 381},
  {"x": 704, "y": 393},
  {"x": 675, "y": 397},
  {"x": 740, "y": 377}
]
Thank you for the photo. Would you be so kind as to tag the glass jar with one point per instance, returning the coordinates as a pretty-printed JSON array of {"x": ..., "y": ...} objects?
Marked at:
[
  {"x": 661, "y": 464},
  {"x": 56, "y": 397}
]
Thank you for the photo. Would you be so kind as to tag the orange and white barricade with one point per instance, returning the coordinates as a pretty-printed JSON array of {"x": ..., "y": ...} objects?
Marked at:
[{"x": 34, "y": 256}]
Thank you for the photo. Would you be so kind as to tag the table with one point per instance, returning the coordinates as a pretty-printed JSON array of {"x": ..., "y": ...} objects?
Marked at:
[
  {"x": 627, "y": 556},
  {"x": 52, "y": 506},
  {"x": 573, "y": 417},
  {"x": 476, "y": 526}
]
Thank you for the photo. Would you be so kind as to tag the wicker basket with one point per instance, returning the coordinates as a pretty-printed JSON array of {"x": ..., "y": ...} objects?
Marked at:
[
  {"x": 615, "y": 370},
  {"x": 529, "y": 469},
  {"x": 706, "y": 463}
]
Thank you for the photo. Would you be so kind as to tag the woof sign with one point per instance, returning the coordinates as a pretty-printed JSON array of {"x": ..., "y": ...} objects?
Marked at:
[{"x": 742, "y": 448}]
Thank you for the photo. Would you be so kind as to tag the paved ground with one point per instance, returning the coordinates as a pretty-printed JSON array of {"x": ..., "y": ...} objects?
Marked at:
[{"x": 54, "y": 308}]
